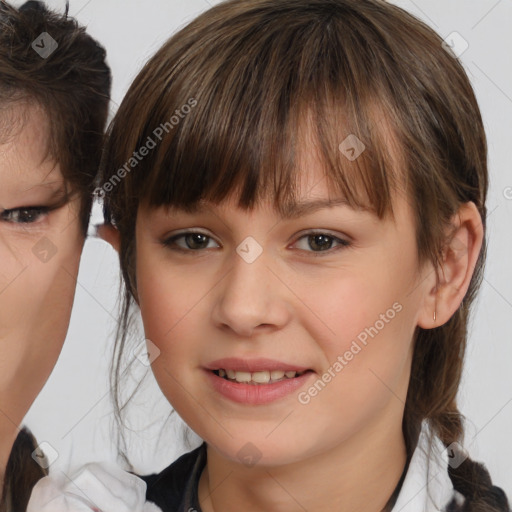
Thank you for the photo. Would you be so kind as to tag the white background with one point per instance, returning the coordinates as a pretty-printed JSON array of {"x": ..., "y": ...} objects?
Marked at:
[{"x": 73, "y": 412}]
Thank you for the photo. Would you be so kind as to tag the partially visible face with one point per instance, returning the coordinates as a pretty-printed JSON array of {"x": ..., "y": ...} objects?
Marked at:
[
  {"x": 333, "y": 292},
  {"x": 40, "y": 247}
]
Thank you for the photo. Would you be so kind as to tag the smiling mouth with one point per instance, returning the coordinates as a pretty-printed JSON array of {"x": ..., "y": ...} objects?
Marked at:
[{"x": 258, "y": 378}]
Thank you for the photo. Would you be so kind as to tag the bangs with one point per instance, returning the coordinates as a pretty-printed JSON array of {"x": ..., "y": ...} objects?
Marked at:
[
  {"x": 266, "y": 158},
  {"x": 237, "y": 116}
]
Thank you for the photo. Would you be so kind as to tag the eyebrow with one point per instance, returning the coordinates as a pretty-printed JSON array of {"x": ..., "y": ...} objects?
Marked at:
[
  {"x": 303, "y": 208},
  {"x": 57, "y": 191},
  {"x": 55, "y": 187},
  {"x": 288, "y": 210},
  {"x": 48, "y": 184}
]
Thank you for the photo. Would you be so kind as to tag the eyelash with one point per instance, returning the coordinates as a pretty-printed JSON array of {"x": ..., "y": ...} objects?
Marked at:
[
  {"x": 39, "y": 210},
  {"x": 342, "y": 244}
]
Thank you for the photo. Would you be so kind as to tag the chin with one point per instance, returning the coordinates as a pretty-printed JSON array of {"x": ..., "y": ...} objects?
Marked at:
[{"x": 257, "y": 452}]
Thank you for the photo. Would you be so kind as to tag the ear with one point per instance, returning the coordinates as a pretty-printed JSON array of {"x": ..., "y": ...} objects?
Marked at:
[
  {"x": 110, "y": 234},
  {"x": 464, "y": 242}
]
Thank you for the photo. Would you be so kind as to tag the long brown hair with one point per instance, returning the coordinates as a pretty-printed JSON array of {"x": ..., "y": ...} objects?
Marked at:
[
  {"x": 21, "y": 474},
  {"x": 259, "y": 71}
]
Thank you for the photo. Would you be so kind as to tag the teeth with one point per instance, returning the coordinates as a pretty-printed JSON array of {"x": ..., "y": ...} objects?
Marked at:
[
  {"x": 261, "y": 377},
  {"x": 243, "y": 376}
]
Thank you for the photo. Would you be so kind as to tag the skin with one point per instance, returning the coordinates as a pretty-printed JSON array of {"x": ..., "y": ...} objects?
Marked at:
[
  {"x": 344, "y": 450},
  {"x": 36, "y": 288}
]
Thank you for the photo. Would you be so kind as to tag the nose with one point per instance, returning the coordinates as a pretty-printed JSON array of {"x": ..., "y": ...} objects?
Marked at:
[{"x": 250, "y": 299}]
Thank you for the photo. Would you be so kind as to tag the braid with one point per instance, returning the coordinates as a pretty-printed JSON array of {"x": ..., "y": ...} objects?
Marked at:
[
  {"x": 435, "y": 377},
  {"x": 471, "y": 479}
]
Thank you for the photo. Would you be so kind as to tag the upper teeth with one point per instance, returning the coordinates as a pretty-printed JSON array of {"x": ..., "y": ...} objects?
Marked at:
[{"x": 262, "y": 377}]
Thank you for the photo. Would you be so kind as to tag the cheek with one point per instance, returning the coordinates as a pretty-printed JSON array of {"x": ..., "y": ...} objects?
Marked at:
[
  {"x": 35, "y": 305},
  {"x": 365, "y": 334},
  {"x": 357, "y": 307},
  {"x": 172, "y": 305},
  {"x": 167, "y": 297},
  {"x": 168, "y": 313}
]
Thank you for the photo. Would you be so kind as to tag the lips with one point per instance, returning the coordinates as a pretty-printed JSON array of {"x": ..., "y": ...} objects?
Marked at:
[{"x": 255, "y": 381}]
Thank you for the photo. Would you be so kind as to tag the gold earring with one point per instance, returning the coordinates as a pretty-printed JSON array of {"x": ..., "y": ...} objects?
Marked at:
[{"x": 434, "y": 315}]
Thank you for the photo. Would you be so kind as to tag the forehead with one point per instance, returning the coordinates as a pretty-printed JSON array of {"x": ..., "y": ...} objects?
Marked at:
[{"x": 25, "y": 161}]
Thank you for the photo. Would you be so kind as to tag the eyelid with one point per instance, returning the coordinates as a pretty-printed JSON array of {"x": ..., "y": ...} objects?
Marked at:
[
  {"x": 342, "y": 242},
  {"x": 169, "y": 239},
  {"x": 338, "y": 236},
  {"x": 45, "y": 210},
  {"x": 188, "y": 231}
]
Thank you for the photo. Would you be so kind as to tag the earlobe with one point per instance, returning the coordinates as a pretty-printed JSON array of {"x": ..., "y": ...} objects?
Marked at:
[
  {"x": 464, "y": 242},
  {"x": 110, "y": 234}
]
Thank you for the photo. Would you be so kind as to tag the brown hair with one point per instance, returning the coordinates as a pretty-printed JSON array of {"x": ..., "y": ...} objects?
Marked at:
[
  {"x": 21, "y": 474},
  {"x": 72, "y": 85},
  {"x": 258, "y": 71}
]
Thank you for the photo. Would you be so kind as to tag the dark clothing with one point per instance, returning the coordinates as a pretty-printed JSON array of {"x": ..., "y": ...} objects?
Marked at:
[
  {"x": 425, "y": 484},
  {"x": 175, "y": 488}
]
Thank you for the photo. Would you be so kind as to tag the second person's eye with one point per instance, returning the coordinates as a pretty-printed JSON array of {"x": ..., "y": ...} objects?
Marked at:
[{"x": 25, "y": 215}]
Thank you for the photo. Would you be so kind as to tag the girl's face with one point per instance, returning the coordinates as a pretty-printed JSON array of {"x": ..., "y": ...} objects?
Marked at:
[
  {"x": 40, "y": 247},
  {"x": 228, "y": 295}
]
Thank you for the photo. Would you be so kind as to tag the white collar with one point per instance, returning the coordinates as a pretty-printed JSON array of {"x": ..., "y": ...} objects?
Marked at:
[
  {"x": 427, "y": 486},
  {"x": 114, "y": 490}
]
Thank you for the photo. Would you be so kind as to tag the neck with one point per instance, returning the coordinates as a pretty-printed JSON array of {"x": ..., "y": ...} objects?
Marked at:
[{"x": 357, "y": 475}]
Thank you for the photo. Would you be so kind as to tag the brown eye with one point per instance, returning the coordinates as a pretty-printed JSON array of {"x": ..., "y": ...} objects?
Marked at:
[
  {"x": 196, "y": 241},
  {"x": 190, "y": 241},
  {"x": 320, "y": 242},
  {"x": 26, "y": 215}
]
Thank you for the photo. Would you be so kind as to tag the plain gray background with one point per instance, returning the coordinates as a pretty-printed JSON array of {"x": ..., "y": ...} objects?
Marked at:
[{"x": 73, "y": 413}]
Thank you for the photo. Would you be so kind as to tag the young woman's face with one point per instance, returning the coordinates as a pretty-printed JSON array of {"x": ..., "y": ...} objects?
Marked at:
[
  {"x": 40, "y": 247},
  {"x": 331, "y": 291}
]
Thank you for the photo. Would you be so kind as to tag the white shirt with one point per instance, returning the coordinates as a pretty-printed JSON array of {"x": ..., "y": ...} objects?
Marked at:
[
  {"x": 427, "y": 486},
  {"x": 101, "y": 487},
  {"x": 104, "y": 487}
]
